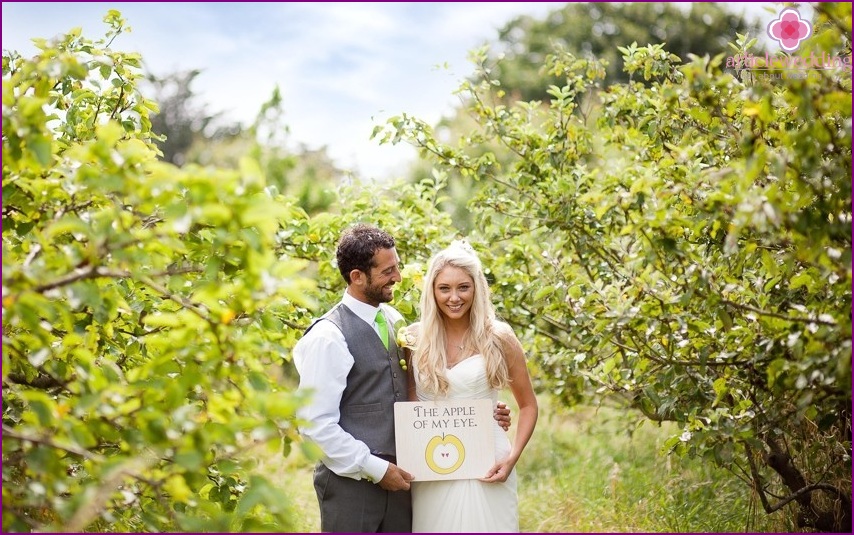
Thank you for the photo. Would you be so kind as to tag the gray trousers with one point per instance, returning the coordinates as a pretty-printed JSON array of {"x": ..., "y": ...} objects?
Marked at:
[{"x": 351, "y": 505}]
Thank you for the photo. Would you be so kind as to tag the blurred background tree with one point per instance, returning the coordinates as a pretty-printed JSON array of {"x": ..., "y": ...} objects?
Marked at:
[
  {"x": 594, "y": 30},
  {"x": 182, "y": 120},
  {"x": 586, "y": 30},
  {"x": 187, "y": 133}
]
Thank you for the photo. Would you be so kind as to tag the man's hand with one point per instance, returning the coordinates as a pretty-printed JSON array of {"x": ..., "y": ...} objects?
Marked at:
[
  {"x": 395, "y": 478},
  {"x": 502, "y": 415}
]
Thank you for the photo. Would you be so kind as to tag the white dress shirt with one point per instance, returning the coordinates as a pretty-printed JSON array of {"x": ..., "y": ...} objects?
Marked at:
[{"x": 323, "y": 362}]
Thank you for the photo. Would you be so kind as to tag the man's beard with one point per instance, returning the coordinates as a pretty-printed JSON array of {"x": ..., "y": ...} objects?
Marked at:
[{"x": 375, "y": 293}]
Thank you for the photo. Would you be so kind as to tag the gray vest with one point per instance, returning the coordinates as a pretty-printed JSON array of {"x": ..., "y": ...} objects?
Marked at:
[{"x": 375, "y": 382}]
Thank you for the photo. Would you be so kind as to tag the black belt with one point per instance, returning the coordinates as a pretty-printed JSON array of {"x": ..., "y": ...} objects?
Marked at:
[{"x": 386, "y": 457}]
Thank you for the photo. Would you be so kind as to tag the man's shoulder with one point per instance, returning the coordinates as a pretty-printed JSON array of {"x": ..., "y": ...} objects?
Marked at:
[
  {"x": 319, "y": 334},
  {"x": 391, "y": 312},
  {"x": 324, "y": 324}
]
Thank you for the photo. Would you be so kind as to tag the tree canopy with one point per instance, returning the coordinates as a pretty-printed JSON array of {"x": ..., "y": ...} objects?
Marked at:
[{"x": 683, "y": 249}]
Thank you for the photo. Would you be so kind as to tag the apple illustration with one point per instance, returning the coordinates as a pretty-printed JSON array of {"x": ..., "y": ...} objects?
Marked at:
[{"x": 444, "y": 454}]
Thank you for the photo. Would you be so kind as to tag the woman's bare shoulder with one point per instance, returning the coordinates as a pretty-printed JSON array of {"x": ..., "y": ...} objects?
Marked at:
[
  {"x": 503, "y": 329},
  {"x": 506, "y": 334}
]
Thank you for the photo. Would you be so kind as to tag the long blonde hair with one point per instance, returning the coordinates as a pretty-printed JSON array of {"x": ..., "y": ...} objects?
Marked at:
[{"x": 430, "y": 358}]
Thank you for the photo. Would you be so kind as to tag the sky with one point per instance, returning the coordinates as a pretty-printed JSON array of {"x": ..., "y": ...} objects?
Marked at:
[{"x": 342, "y": 67}]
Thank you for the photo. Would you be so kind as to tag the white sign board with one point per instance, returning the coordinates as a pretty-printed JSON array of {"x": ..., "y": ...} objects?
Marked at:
[{"x": 438, "y": 440}]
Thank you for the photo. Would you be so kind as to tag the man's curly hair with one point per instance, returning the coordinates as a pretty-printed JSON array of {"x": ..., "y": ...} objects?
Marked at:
[{"x": 357, "y": 247}]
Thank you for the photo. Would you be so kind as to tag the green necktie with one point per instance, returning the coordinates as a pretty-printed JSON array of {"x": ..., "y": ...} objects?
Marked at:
[{"x": 383, "y": 328}]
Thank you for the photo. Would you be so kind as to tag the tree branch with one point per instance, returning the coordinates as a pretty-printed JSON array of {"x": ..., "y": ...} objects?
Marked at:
[
  {"x": 94, "y": 272},
  {"x": 777, "y": 314},
  {"x": 44, "y": 441}
]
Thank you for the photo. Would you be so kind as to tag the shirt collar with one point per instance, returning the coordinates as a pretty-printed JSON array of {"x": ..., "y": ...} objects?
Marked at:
[{"x": 365, "y": 311}]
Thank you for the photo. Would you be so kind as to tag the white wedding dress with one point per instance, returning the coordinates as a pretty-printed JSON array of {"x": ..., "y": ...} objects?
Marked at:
[{"x": 467, "y": 505}]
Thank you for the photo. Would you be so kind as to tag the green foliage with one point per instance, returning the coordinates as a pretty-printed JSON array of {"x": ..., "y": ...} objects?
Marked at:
[
  {"x": 684, "y": 249},
  {"x": 143, "y": 312},
  {"x": 149, "y": 310},
  {"x": 594, "y": 34}
]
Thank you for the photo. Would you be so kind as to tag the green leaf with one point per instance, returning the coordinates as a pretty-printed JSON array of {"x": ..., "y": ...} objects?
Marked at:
[
  {"x": 82, "y": 435},
  {"x": 725, "y": 318},
  {"x": 41, "y": 149}
]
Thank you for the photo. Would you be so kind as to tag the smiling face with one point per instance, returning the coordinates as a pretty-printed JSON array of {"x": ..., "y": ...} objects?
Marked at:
[
  {"x": 376, "y": 285},
  {"x": 454, "y": 292}
]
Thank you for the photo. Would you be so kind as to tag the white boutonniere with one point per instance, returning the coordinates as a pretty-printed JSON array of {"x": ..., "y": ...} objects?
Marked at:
[{"x": 405, "y": 339}]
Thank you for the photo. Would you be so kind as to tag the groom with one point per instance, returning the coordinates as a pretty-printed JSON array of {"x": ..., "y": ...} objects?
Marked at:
[{"x": 356, "y": 377}]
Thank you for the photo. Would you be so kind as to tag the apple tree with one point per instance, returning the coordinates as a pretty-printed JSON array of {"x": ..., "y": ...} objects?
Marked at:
[
  {"x": 143, "y": 309},
  {"x": 682, "y": 249}
]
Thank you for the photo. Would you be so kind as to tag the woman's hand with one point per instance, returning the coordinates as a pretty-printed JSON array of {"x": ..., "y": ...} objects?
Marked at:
[{"x": 499, "y": 472}]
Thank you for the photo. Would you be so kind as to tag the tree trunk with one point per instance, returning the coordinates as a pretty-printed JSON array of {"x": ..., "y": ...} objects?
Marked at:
[{"x": 834, "y": 517}]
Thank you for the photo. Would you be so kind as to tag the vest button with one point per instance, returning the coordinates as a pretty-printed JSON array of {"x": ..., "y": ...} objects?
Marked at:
[
  {"x": 395, "y": 376},
  {"x": 397, "y": 394}
]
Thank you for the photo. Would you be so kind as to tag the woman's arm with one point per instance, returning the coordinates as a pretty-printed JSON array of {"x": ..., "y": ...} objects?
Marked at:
[{"x": 523, "y": 392}]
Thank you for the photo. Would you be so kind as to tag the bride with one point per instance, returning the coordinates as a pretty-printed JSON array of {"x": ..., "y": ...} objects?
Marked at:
[{"x": 463, "y": 352}]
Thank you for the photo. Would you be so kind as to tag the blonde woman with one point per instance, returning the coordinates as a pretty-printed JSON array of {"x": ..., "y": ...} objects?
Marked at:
[{"x": 464, "y": 352}]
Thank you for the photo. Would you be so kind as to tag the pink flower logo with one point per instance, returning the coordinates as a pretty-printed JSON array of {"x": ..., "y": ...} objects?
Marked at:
[{"x": 789, "y": 29}]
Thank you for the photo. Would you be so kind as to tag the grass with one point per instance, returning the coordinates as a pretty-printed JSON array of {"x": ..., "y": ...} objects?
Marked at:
[
  {"x": 295, "y": 474},
  {"x": 591, "y": 471}
]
